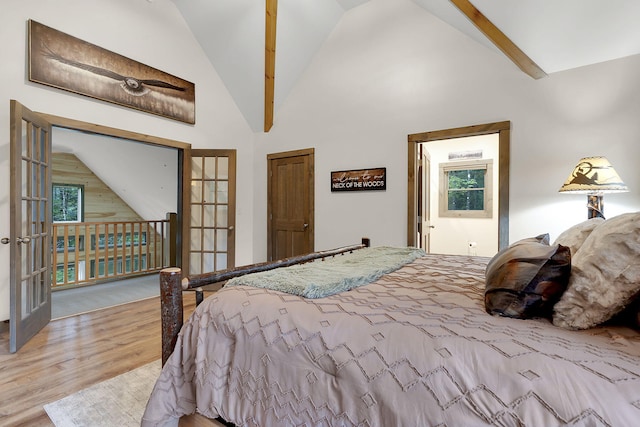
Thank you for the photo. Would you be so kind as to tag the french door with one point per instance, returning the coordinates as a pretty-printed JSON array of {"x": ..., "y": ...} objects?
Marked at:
[
  {"x": 30, "y": 216},
  {"x": 213, "y": 211}
]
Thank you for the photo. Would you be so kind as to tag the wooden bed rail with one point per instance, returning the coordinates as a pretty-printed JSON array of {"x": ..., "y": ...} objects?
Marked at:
[{"x": 172, "y": 284}]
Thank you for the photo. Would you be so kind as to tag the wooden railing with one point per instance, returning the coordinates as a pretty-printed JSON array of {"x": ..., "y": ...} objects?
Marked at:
[{"x": 90, "y": 252}]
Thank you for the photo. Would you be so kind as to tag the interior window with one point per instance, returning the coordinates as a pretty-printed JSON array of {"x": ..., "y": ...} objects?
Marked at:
[
  {"x": 68, "y": 203},
  {"x": 465, "y": 189}
]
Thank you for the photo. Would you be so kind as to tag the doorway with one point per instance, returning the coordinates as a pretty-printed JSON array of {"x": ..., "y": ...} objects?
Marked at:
[
  {"x": 290, "y": 203},
  {"x": 183, "y": 151},
  {"x": 31, "y": 290},
  {"x": 109, "y": 234},
  {"x": 416, "y": 226},
  {"x": 459, "y": 211}
]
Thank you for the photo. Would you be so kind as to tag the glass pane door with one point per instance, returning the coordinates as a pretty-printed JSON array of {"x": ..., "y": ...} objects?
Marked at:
[
  {"x": 30, "y": 239},
  {"x": 212, "y": 224}
]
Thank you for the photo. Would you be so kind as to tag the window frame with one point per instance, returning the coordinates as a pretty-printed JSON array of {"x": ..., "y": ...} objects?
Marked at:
[
  {"x": 81, "y": 192},
  {"x": 443, "y": 202}
]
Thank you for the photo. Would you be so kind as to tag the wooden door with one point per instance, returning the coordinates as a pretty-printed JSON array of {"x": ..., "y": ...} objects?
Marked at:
[
  {"x": 290, "y": 203},
  {"x": 212, "y": 211},
  {"x": 30, "y": 216},
  {"x": 424, "y": 200}
]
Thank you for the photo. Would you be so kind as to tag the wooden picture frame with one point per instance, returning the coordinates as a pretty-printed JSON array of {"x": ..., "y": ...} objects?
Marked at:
[
  {"x": 372, "y": 179},
  {"x": 65, "y": 62}
]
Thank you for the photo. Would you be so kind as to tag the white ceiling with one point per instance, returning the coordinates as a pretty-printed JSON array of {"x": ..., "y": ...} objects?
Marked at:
[
  {"x": 564, "y": 34},
  {"x": 556, "y": 34}
]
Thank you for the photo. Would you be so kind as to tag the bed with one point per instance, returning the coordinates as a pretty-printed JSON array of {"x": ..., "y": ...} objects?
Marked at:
[{"x": 414, "y": 347}]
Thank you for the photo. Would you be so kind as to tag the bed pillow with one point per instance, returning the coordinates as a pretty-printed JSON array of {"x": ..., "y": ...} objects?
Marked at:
[
  {"x": 526, "y": 279},
  {"x": 605, "y": 274},
  {"x": 575, "y": 236},
  {"x": 630, "y": 316}
]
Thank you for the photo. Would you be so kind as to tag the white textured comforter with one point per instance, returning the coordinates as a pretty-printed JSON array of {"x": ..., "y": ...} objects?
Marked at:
[{"x": 414, "y": 348}]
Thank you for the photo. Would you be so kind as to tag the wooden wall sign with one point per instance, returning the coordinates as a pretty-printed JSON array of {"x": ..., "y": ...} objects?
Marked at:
[
  {"x": 359, "y": 180},
  {"x": 65, "y": 62}
]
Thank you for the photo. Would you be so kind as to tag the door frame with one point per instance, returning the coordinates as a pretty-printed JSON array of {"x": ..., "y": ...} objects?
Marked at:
[
  {"x": 184, "y": 169},
  {"x": 503, "y": 129}
]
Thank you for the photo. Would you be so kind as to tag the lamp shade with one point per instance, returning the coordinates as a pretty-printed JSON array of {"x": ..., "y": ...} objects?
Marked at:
[{"x": 593, "y": 175}]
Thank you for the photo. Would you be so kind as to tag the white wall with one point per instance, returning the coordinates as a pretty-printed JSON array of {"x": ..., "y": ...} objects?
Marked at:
[
  {"x": 390, "y": 69},
  {"x": 453, "y": 235},
  {"x": 119, "y": 162},
  {"x": 153, "y": 33}
]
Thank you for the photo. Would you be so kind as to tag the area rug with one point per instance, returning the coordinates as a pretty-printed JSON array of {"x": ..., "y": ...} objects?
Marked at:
[{"x": 119, "y": 401}]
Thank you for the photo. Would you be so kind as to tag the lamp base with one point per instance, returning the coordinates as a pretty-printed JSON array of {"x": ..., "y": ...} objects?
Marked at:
[{"x": 595, "y": 206}]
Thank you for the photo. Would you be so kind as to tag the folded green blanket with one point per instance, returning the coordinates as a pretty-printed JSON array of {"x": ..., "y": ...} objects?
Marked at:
[{"x": 341, "y": 273}]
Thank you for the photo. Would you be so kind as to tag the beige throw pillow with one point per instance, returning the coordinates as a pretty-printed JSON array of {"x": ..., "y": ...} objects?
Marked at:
[
  {"x": 575, "y": 236},
  {"x": 605, "y": 274}
]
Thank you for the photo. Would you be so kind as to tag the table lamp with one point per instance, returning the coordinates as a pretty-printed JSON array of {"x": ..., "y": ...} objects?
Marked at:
[{"x": 594, "y": 176}]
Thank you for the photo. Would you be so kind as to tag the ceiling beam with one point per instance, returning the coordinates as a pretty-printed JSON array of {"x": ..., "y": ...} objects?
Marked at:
[
  {"x": 269, "y": 61},
  {"x": 498, "y": 38}
]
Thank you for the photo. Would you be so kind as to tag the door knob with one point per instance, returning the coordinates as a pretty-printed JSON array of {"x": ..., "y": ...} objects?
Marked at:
[
  {"x": 6, "y": 240},
  {"x": 305, "y": 225}
]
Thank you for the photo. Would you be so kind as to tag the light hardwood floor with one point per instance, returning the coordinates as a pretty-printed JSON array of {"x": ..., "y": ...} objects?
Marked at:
[{"x": 76, "y": 352}]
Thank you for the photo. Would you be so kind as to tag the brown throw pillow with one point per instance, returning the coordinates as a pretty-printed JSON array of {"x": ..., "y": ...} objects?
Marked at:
[{"x": 526, "y": 279}]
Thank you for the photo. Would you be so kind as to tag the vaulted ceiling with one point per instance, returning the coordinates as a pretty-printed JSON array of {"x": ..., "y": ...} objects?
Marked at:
[{"x": 539, "y": 36}]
